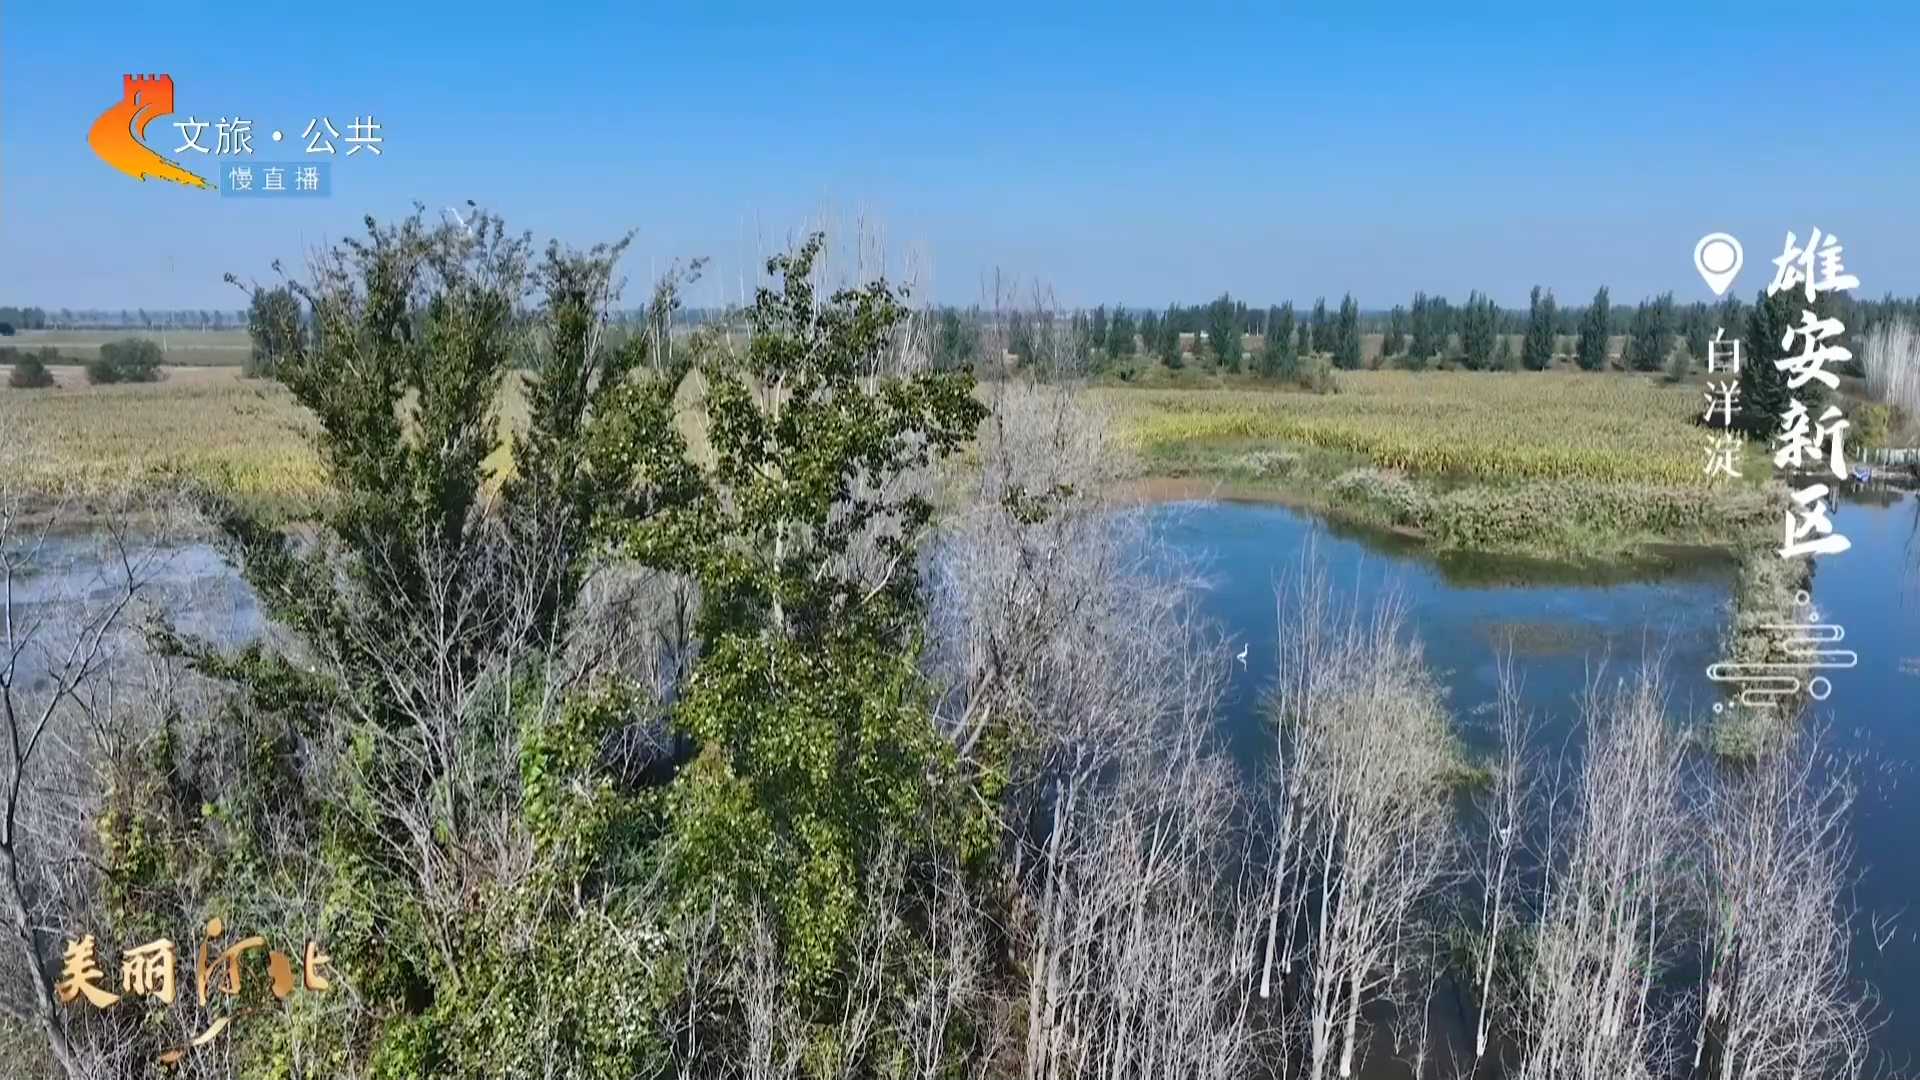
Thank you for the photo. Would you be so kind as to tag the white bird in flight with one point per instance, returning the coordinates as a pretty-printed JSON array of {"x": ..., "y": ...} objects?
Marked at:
[{"x": 1243, "y": 656}]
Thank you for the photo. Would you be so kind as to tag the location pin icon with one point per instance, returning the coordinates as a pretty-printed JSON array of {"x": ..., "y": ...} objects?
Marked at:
[{"x": 1718, "y": 257}]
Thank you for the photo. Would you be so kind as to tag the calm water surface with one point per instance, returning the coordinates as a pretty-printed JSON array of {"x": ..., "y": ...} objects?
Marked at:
[{"x": 1568, "y": 627}]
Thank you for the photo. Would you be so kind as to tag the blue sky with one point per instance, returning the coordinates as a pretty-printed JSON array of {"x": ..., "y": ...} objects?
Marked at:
[{"x": 1121, "y": 153}]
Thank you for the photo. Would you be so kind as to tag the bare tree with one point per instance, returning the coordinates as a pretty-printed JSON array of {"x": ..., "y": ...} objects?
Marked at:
[
  {"x": 1365, "y": 752},
  {"x": 1152, "y": 934},
  {"x": 61, "y": 638},
  {"x": 1891, "y": 357},
  {"x": 1064, "y": 644},
  {"x": 1612, "y": 899},
  {"x": 1504, "y": 807},
  {"x": 1778, "y": 997}
]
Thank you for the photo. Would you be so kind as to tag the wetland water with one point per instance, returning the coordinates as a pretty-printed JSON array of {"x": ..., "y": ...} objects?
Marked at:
[{"x": 1564, "y": 625}]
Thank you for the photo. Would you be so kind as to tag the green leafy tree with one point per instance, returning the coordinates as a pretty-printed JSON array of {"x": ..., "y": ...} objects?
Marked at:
[
  {"x": 1277, "y": 354},
  {"x": 417, "y": 586},
  {"x": 1322, "y": 327},
  {"x": 1444, "y": 319},
  {"x": 1537, "y": 350},
  {"x": 1170, "y": 328},
  {"x": 1696, "y": 325},
  {"x": 1651, "y": 334},
  {"x": 1479, "y": 324},
  {"x": 1595, "y": 324},
  {"x": 1346, "y": 355},
  {"x": 956, "y": 342},
  {"x": 129, "y": 360},
  {"x": 270, "y": 313},
  {"x": 1425, "y": 333},
  {"x": 1097, "y": 331},
  {"x": 1765, "y": 396},
  {"x": 1729, "y": 315},
  {"x": 1120, "y": 334},
  {"x": 1395, "y": 341},
  {"x": 817, "y": 745},
  {"x": 1223, "y": 332}
]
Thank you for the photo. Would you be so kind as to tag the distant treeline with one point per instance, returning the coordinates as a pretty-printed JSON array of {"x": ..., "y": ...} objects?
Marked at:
[
  {"x": 1429, "y": 330},
  {"x": 36, "y": 318},
  {"x": 1448, "y": 316},
  {"x": 1858, "y": 314}
]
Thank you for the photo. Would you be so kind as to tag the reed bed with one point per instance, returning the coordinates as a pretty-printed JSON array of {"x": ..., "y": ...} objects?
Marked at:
[{"x": 1558, "y": 426}]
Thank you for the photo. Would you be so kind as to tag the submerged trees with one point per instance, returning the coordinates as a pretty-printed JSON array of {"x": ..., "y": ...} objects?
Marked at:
[
  {"x": 437, "y": 721},
  {"x": 1076, "y": 670},
  {"x": 1611, "y": 899},
  {"x": 1776, "y": 997},
  {"x": 1364, "y": 836}
]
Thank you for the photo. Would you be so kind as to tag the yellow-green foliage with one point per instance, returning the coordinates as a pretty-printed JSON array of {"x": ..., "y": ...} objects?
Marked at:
[{"x": 1555, "y": 426}]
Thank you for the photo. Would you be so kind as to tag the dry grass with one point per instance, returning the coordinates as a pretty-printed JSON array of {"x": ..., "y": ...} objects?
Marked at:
[
  {"x": 246, "y": 436},
  {"x": 206, "y": 423}
]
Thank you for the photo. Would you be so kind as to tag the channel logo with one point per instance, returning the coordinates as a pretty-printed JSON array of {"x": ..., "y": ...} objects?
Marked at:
[{"x": 119, "y": 136}]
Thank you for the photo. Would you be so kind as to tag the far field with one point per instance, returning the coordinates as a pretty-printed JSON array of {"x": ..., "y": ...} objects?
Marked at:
[
  {"x": 183, "y": 348},
  {"x": 219, "y": 348},
  {"x": 1558, "y": 463},
  {"x": 205, "y": 423}
]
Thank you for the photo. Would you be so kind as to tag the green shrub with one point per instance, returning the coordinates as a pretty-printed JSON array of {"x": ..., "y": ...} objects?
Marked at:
[
  {"x": 29, "y": 373},
  {"x": 101, "y": 371},
  {"x": 1491, "y": 517},
  {"x": 1679, "y": 365},
  {"x": 1404, "y": 502},
  {"x": 1872, "y": 424},
  {"x": 274, "y": 324},
  {"x": 1270, "y": 462},
  {"x": 126, "y": 360},
  {"x": 1316, "y": 374}
]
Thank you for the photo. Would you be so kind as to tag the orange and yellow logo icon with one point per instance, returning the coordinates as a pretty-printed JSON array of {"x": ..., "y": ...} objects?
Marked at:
[{"x": 119, "y": 135}]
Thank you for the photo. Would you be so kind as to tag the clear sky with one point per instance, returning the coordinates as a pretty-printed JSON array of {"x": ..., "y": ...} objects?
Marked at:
[{"x": 1124, "y": 154}]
